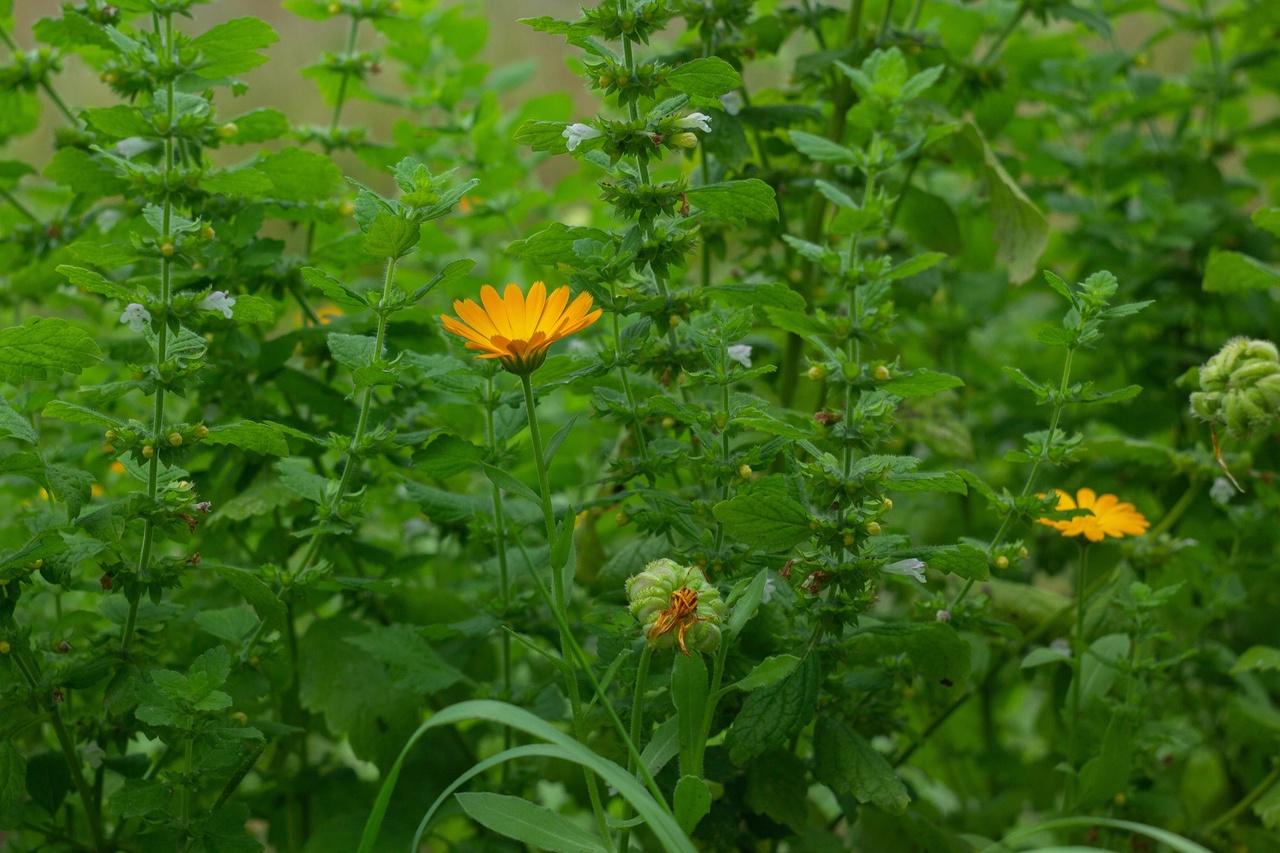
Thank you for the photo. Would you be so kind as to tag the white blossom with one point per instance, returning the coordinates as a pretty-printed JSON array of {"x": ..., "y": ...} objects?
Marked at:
[
  {"x": 699, "y": 121},
  {"x": 218, "y": 301},
  {"x": 1222, "y": 491},
  {"x": 732, "y": 102},
  {"x": 909, "y": 568},
  {"x": 93, "y": 754},
  {"x": 766, "y": 595},
  {"x": 741, "y": 353},
  {"x": 579, "y": 133},
  {"x": 137, "y": 316}
]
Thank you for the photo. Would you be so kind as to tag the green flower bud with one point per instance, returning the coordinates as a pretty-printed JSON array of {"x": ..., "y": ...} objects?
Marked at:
[
  {"x": 1240, "y": 388},
  {"x": 677, "y": 604}
]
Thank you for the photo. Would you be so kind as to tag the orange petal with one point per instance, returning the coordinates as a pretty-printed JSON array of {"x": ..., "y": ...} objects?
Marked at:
[
  {"x": 554, "y": 310},
  {"x": 514, "y": 301},
  {"x": 474, "y": 315},
  {"x": 496, "y": 310},
  {"x": 1085, "y": 498},
  {"x": 533, "y": 305},
  {"x": 1105, "y": 504},
  {"x": 1065, "y": 501},
  {"x": 463, "y": 330}
]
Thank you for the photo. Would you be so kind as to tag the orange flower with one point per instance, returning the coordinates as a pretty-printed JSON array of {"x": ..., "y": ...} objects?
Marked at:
[
  {"x": 1106, "y": 516},
  {"x": 519, "y": 330}
]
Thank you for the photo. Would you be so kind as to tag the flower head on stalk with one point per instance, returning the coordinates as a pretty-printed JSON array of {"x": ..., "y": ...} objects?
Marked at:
[
  {"x": 518, "y": 330},
  {"x": 676, "y": 604},
  {"x": 1102, "y": 516}
]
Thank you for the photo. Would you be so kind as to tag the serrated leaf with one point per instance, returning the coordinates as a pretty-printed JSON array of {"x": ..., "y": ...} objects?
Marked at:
[
  {"x": 446, "y": 456},
  {"x": 913, "y": 266},
  {"x": 256, "y": 438},
  {"x": 12, "y": 423},
  {"x": 270, "y": 609},
  {"x": 934, "y": 649},
  {"x": 44, "y": 347},
  {"x": 411, "y": 663},
  {"x": 73, "y": 413},
  {"x": 13, "y": 778},
  {"x": 352, "y": 351},
  {"x": 237, "y": 183},
  {"x": 543, "y": 136},
  {"x": 231, "y": 47},
  {"x": 391, "y": 236},
  {"x": 299, "y": 175},
  {"x": 1257, "y": 659},
  {"x": 765, "y": 521},
  {"x": 96, "y": 283},
  {"x": 709, "y": 77},
  {"x": 736, "y": 201},
  {"x": 337, "y": 292},
  {"x": 768, "y": 671},
  {"x": 554, "y": 244},
  {"x": 848, "y": 763},
  {"x": 772, "y": 714}
]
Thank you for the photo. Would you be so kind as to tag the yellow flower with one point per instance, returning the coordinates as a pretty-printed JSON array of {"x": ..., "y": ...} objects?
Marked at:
[
  {"x": 519, "y": 330},
  {"x": 1106, "y": 516}
]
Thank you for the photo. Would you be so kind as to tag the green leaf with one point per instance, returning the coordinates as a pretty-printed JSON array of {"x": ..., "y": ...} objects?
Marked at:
[
  {"x": 772, "y": 714},
  {"x": 139, "y": 798},
  {"x": 391, "y": 236},
  {"x": 255, "y": 438},
  {"x": 821, "y": 149},
  {"x": 691, "y": 802},
  {"x": 238, "y": 183},
  {"x": 778, "y": 788},
  {"x": 1268, "y": 219},
  {"x": 411, "y": 663},
  {"x": 529, "y": 823},
  {"x": 1011, "y": 841},
  {"x": 15, "y": 425},
  {"x": 736, "y": 201},
  {"x": 270, "y": 609},
  {"x": 1233, "y": 272},
  {"x": 446, "y": 456},
  {"x": 560, "y": 745},
  {"x": 709, "y": 77},
  {"x": 43, "y": 347},
  {"x": 253, "y": 309},
  {"x": 963, "y": 560},
  {"x": 847, "y": 763},
  {"x": 1107, "y": 773},
  {"x": 299, "y": 175},
  {"x": 745, "y": 606},
  {"x": 554, "y": 244},
  {"x": 768, "y": 671},
  {"x": 338, "y": 292},
  {"x": 1257, "y": 659},
  {"x": 231, "y": 47},
  {"x": 1021, "y": 232},
  {"x": 1099, "y": 668},
  {"x": 96, "y": 283},
  {"x": 352, "y": 351},
  {"x": 69, "y": 485},
  {"x": 1042, "y": 656},
  {"x": 921, "y": 383},
  {"x": 120, "y": 121},
  {"x": 13, "y": 780},
  {"x": 927, "y": 481},
  {"x": 508, "y": 483},
  {"x": 689, "y": 695},
  {"x": 934, "y": 649},
  {"x": 543, "y": 136},
  {"x": 913, "y": 266},
  {"x": 259, "y": 125},
  {"x": 767, "y": 521},
  {"x": 48, "y": 780},
  {"x": 444, "y": 507}
]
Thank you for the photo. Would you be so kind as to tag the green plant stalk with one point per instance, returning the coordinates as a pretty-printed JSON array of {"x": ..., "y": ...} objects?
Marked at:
[
  {"x": 1077, "y": 664},
  {"x": 854, "y": 346},
  {"x": 19, "y": 206},
  {"x": 713, "y": 699},
  {"x": 641, "y": 443},
  {"x": 504, "y": 587},
  {"x": 724, "y": 455},
  {"x": 91, "y": 808},
  {"x": 188, "y": 789},
  {"x": 1011, "y": 513},
  {"x": 1239, "y": 808},
  {"x": 560, "y": 601},
  {"x": 162, "y": 343},
  {"x": 637, "y": 718},
  {"x": 841, "y": 100}
]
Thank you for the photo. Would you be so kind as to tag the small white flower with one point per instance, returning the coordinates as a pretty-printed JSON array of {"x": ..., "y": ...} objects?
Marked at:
[
  {"x": 1222, "y": 491},
  {"x": 766, "y": 595},
  {"x": 741, "y": 353},
  {"x": 218, "y": 301},
  {"x": 579, "y": 133},
  {"x": 1062, "y": 646},
  {"x": 909, "y": 568},
  {"x": 943, "y": 616},
  {"x": 732, "y": 102},
  {"x": 699, "y": 121},
  {"x": 133, "y": 146},
  {"x": 137, "y": 316},
  {"x": 93, "y": 754}
]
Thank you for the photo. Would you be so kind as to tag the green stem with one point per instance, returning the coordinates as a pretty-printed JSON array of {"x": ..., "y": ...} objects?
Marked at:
[
  {"x": 77, "y": 776},
  {"x": 1077, "y": 662},
  {"x": 637, "y": 718},
  {"x": 1177, "y": 510},
  {"x": 500, "y": 530},
  {"x": 19, "y": 206},
  {"x": 162, "y": 344},
  {"x": 188, "y": 789},
  {"x": 1239, "y": 808},
  {"x": 1011, "y": 513},
  {"x": 560, "y": 600}
]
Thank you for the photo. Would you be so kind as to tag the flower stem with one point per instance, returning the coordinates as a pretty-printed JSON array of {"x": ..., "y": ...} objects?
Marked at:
[
  {"x": 1249, "y": 799},
  {"x": 1077, "y": 662},
  {"x": 637, "y": 718},
  {"x": 560, "y": 599},
  {"x": 504, "y": 587}
]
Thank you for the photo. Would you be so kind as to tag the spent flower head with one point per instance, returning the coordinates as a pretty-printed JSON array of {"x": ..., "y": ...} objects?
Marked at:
[
  {"x": 518, "y": 330},
  {"x": 676, "y": 604}
]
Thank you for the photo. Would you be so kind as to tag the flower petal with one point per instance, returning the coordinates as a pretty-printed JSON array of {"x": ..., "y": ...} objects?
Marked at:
[
  {"x": 1085, "y": 498},
  {"x": 474, "y": 315},
  {"x": 497, "y": 310}
]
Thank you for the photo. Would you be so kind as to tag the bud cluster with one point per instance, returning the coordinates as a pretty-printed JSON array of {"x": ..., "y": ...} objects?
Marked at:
[
  {"x": 1240, "y": 388},
  {"x": 677, "y": 603}
]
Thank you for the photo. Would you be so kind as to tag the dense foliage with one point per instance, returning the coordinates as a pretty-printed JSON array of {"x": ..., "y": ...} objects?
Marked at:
[{"x": 900, "y": 476}]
